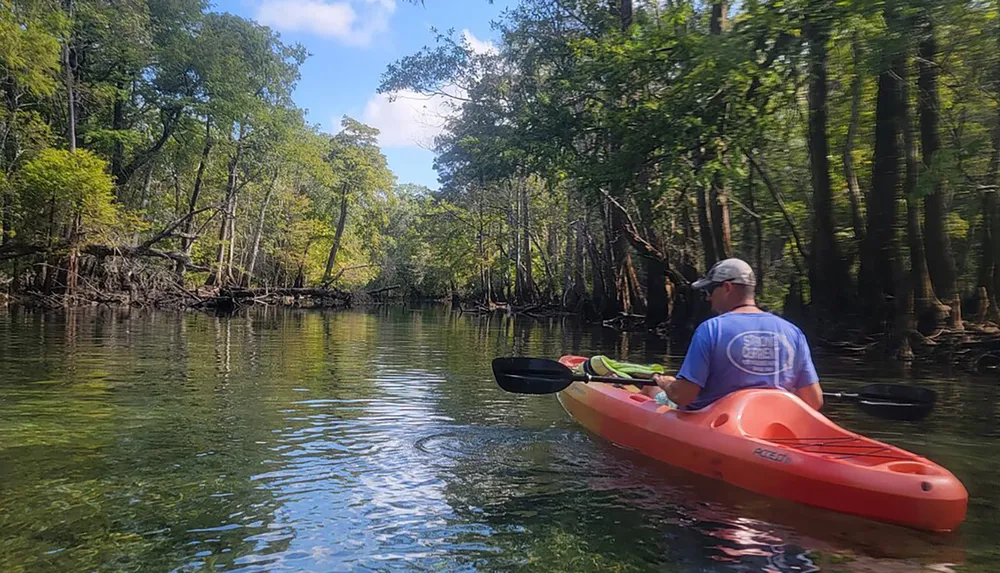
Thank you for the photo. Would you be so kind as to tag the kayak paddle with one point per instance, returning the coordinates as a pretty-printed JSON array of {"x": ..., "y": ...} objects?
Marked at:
[
  {"x": 892, "y": 401},
  {"x": 544, "y": 376}
]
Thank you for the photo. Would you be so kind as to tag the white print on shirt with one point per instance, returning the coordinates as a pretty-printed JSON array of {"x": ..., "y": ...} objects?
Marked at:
[{"x": 760, "y": 352}]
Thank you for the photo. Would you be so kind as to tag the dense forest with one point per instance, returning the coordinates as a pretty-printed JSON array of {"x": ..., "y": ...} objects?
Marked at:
[
  {"x": 598, "y": 159},
  {"x": 149, "y": 147},
  {"x": 606, "y": 153}
]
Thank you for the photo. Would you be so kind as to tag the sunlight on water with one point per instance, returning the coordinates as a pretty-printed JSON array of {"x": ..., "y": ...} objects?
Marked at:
[{"x": 378, "y": 441}]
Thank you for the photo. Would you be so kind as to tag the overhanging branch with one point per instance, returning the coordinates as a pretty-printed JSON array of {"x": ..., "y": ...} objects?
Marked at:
[{"x": 781, "y": 205}]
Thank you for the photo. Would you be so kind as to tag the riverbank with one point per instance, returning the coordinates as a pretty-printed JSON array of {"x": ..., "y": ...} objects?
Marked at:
[
  {"x": 974, "y": 348},
  {"x": 176, "y": 297}
]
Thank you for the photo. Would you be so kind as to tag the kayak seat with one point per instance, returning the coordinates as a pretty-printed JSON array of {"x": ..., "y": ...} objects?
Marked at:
[{"x": 779, "y": 416}]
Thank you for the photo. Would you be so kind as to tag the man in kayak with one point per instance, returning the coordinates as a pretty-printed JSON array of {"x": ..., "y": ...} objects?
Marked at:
[{"x": 742, "y": 347}]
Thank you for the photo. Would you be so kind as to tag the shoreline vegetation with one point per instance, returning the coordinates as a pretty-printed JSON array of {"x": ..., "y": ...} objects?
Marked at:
[{"x": 593, "y": 161}]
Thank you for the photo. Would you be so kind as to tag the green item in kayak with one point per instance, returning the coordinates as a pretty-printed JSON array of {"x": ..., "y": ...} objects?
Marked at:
[{"x": 603, "y": 366}]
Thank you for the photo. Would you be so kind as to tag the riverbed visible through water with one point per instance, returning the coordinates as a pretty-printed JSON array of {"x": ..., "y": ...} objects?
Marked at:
[{"x": 377, "y": 440}]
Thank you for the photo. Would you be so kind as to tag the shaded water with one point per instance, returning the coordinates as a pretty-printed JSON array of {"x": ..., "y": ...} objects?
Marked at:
[{"x": 378, "y": 441}]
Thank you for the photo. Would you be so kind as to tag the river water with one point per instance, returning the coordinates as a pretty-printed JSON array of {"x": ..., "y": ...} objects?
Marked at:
[{"x": 303, "y": 440}]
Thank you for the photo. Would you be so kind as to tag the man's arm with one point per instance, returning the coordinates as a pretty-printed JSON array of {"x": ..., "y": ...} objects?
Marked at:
[
  {"x": 683, "y": 392},
  {"x": 679, "y": 390},
  {"x": 812, "y": 395},
  {"x": 807, "y": 386},
  {"x": 691, "y": 378}
]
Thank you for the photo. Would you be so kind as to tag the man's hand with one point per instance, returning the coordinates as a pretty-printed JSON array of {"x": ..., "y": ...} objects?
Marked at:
[
  {"x": 663, "y": 380},
  {"x": 680, "y": 392}
]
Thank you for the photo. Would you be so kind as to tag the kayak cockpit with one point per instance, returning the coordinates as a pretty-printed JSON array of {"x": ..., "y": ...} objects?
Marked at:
[{"x": 782, "y": 419}]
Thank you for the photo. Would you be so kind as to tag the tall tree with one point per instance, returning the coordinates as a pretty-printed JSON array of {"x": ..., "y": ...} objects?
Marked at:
[
  {"x": 878, "y": 276},
  {"x": 718, "y": 191},
  {"x": 940, "y": 257},
  {"x": 829, "y": 279},
  {"x": 363, "y": 172}
]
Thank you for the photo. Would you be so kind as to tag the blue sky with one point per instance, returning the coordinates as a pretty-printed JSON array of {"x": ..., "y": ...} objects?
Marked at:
[{"x": 351, "y": 42}]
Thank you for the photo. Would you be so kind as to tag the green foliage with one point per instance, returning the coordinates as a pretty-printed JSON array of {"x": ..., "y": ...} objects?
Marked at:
[
  {"x": 571, "y": 111},
  {"x": 63, "y": 189},
  {"x": 658, "y": 112},
  {"x": 362, "y": 169},
  {"x": 29, "y": 45}
]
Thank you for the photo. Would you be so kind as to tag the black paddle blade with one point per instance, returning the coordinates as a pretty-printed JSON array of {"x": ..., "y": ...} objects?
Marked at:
[
  {"x": 531, "y": 375},
  {"x": 897, "y": 402},
  {"x": 898, "y": 393}
]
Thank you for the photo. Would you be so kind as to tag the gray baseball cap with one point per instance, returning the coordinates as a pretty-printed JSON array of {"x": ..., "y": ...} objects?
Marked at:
[{"x": 734, "y": 270}]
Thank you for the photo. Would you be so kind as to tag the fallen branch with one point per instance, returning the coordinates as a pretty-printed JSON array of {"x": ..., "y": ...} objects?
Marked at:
[
  {"x": 383, "y": 289},
  {"x": 642, "y": 245},
  {"x": 141, "y": 251},
  {"x": 341, "y": 272},
  {"x": 255, "y": 292},
  {"x": 168, "y": 231}
]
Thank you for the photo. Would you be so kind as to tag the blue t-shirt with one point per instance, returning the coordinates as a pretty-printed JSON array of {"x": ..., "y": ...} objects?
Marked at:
[{"x": 737, "y": 350}]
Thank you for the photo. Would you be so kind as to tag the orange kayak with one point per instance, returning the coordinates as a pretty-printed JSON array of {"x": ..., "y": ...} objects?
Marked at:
[{"x": 770, "y": 442}]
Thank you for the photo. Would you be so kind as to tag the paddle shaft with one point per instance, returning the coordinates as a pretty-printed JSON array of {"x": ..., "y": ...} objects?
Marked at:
[
  {"x": 613, "y": 380},
  {"x": 644, "y": 382},
  {"x": 849, "y": 395},
  {"x": 544, "y": 376}
]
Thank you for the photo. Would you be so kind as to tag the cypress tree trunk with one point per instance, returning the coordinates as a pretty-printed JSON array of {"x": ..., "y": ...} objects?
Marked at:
[
  {"x": 718, "y": 193},
  {"x": 829, "y": 278},
  {"x": 579, "y": 271},
  {"x": 618, "y": 272},
  {"x": 528, "y": 287},
  {"x": 718, "y": 22},
  {"x": 705, "y": 230},
  {"x": 552, "y": 250},
  {"x": 853, "y": 189},
  {"x": 231, "y": 247},
  {"x": 877, "y": 278},
  {"x": 599, "y": 275},
  {"x": 925, "y": 304},
  {"x": 758, "y": 238},
  {"x": 656, "y": 305},
  {"x": 994, "y": 210},
  {"x": 338, "y": 235},
  {"x": 68, "y": 62},
  {"x": 989, "y": 269},
  {"x": 484, "y": 270},
  {"x": 222, "y": 274},
  {"x": 567, "y": 299},
  {"x": 940, "y": 259},
  {"x": 615, "y": 292},
  {"x": 186, "y": 242},
  {"x": 721, "y": 231},
  {"x": 255, "y": 245}
]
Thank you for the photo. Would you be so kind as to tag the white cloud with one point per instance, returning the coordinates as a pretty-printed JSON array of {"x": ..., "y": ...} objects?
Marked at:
[
  {"x": 478, "y": 46},
  {"x": 410, "y": 119},
  {"x": 353, "y": 22}
]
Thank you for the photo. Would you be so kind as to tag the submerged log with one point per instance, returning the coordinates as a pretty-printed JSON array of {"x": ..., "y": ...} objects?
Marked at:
[
  {"x": 293, "y": 292},
  {"x": 231, "y": 299}
]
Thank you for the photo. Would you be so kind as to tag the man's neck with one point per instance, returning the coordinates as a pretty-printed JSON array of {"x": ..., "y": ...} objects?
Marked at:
[{"x": 746, "y": 306}]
